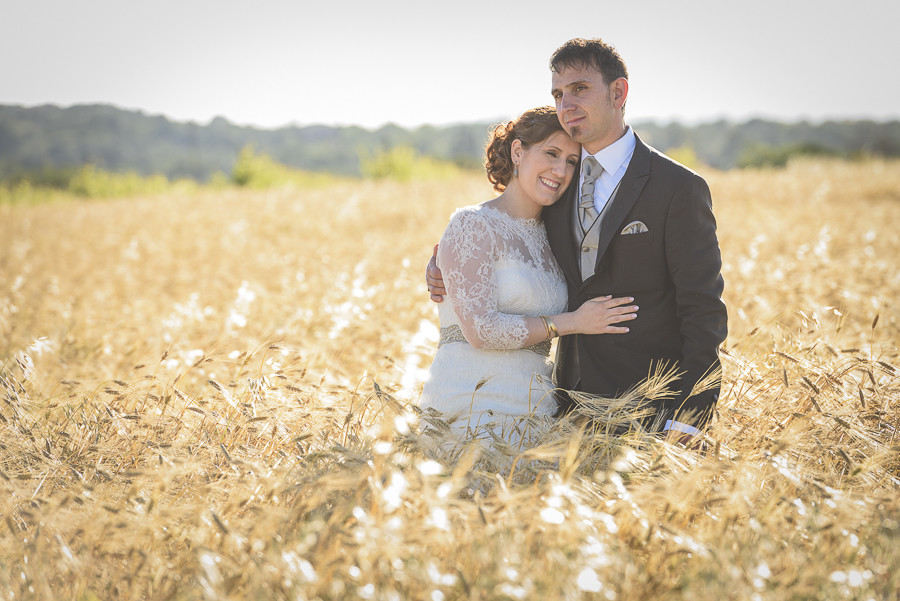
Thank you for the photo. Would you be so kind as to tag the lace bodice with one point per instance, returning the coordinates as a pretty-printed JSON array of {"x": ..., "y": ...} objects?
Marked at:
[{"x": 497, "y": 268}]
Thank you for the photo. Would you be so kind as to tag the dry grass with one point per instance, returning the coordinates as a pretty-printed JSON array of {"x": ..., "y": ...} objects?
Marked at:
[{"x": 217, "y": 407}]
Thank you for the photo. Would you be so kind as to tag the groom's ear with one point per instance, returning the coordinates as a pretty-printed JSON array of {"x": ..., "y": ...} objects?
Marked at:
[{"x": 618, "y": 92}]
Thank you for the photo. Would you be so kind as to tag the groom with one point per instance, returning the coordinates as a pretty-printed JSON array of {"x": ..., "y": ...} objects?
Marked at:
[{"x": 634, "y": 224}]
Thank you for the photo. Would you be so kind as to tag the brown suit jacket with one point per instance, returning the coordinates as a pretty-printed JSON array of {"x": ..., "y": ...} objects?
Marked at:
[{"x": 673, "y": 271}]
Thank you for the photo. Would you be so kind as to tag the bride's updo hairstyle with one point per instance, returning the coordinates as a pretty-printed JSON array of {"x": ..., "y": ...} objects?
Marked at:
[{"x": 530, "y": 128}]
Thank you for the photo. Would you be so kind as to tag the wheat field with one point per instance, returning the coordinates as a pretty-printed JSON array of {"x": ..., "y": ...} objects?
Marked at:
[{"x": 211, "y": 395}]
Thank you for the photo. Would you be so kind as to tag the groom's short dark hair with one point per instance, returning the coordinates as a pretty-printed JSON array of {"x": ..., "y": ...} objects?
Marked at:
[{"x": 594, "y": 53}]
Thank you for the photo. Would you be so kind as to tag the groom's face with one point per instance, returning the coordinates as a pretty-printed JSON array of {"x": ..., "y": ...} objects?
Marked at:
[{"x": 586, "y": 107}]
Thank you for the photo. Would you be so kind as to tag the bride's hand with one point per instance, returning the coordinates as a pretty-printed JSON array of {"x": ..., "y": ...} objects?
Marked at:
[{"x": 599, "y": 315}]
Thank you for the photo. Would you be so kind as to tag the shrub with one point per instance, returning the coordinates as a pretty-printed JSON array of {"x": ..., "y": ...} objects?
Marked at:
[
  {"x": 86, "y": 182},
  {"x": 761, "y": 155},
  {"x": 403, "y": 164},
  {"x": 22, "y": 192},
  {"x": 91, "y": 182},
  {"x": 686, "y": 155},
  {"x": 259, "y": 171}
]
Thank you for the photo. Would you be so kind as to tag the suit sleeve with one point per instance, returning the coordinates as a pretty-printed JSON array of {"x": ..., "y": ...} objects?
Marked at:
[{"x": 695, "y": 266}]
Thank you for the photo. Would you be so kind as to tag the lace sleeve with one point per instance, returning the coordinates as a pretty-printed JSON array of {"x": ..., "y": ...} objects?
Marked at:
[{"x": 466, "y": 258}]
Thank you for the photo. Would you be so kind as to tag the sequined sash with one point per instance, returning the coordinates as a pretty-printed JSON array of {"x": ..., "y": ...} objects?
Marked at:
[{"x": 453, "y": 333}]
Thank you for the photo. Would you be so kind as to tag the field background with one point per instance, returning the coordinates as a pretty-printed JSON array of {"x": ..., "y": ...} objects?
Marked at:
[{"x": 206, "y": 395}]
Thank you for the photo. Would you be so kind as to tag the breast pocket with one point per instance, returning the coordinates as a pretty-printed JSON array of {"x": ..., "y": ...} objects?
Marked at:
[{"x": 633, "y": 240}]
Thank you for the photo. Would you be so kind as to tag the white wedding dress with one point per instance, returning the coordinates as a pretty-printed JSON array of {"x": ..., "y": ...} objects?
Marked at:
[{"x": 496, "y": 269}]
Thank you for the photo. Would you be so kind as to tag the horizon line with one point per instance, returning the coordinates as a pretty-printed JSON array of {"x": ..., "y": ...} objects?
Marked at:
[{"x": 669, "y": 120}]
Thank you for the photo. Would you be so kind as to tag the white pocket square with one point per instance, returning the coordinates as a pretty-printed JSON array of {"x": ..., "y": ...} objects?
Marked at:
[{"x": 635, "y": 227}]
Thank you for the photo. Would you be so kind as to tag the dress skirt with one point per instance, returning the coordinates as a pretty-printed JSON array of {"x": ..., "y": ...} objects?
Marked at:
[{"x": 479, "y": 389}]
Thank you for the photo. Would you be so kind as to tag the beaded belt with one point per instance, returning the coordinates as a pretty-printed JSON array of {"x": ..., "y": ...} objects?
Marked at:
[{"x": 454, "y": 334}]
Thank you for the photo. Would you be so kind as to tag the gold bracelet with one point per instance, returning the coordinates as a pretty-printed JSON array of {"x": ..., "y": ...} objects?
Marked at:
[
  {"x": 547, "y": 325},
  {"x": 554, "y": 332}
]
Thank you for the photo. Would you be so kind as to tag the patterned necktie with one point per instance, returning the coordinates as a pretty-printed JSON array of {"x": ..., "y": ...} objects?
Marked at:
[{"x": 587, "y": 212}]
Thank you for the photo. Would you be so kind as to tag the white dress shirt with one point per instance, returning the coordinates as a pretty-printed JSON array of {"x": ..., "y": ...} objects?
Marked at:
[{"x": 614, "y": 159}]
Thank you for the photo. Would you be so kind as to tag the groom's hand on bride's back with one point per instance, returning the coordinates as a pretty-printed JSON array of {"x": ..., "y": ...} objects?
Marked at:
[{"x": 433, "y": 278}]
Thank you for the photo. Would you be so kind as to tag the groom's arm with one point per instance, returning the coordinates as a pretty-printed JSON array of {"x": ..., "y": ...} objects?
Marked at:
[
  {"x": 695, "y": 264},
  {"x": 433, "y": 278}
]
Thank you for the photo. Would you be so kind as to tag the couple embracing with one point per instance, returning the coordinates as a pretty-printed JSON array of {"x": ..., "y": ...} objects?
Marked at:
[{"x": 596, "y": 238}]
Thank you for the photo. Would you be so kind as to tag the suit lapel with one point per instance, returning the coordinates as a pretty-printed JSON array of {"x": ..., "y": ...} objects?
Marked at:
[
  {"x": 630, "y": 188},
  {"x": 558, "y": 222}
]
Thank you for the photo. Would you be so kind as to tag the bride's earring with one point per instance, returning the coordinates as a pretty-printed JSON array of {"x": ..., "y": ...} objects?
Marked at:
[{"x": 516, "y": 170}]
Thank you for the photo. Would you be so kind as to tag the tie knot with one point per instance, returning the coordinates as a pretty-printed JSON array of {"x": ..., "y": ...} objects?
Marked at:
[{"x": 591, "y": 168}]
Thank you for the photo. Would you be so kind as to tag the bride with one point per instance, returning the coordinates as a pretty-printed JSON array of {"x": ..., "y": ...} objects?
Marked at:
[{"x": 506, "y": 296}]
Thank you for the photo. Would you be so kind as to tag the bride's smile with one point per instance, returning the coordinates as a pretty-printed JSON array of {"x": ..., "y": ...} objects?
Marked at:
[{"x": 549, "y": 183}]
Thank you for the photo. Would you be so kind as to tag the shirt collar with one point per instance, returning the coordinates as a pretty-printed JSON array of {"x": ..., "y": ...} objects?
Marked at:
[{"x": 616, "y": 154}]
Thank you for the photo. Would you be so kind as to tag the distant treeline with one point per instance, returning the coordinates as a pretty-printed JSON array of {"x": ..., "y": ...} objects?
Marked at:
[{"x": 47, "y": 141}]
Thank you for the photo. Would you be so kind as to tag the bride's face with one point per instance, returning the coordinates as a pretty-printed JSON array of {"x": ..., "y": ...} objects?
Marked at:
[{"x": 547, "y": 167}]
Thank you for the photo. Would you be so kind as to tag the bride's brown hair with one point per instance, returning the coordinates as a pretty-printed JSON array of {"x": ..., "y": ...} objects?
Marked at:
[{"x": 530, "y": 128}]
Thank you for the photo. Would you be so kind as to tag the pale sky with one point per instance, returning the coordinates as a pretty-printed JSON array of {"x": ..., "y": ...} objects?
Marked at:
[{"x": 271, "y": 63}]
